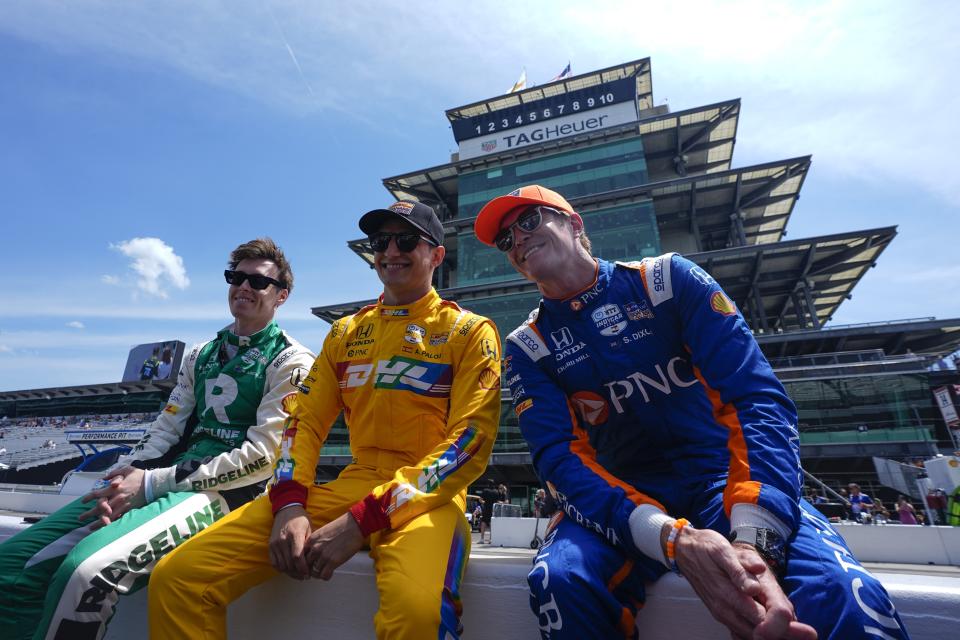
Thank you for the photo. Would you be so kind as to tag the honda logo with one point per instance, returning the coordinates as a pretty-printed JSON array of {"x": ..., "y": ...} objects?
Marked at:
[{"x": 562, "y": 338}]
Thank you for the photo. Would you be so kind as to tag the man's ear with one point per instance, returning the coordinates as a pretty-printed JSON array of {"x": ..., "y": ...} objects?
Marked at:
[
  {"x": 436, "y": 257},
  {"x": 577, "y": 223},
  {"x": 282, "y": 297}
]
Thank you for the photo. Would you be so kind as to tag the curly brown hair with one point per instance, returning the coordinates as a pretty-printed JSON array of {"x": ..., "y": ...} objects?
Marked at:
[{"x": 264, "y": 249}]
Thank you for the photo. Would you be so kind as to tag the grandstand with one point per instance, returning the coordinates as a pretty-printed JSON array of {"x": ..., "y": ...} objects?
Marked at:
[{"x": 38, "y": 450}]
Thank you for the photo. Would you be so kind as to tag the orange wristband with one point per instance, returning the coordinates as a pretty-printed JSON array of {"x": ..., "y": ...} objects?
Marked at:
[{"x": 678, "y": 525}]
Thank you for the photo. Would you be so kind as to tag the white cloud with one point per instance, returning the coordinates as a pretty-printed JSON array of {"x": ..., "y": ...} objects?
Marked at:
[
  {"x": 111, "y": 280},
  {"x": 5, "y": 349},
  {"x": 156, "y": 265},
  {"x": 76, "y": 324}
]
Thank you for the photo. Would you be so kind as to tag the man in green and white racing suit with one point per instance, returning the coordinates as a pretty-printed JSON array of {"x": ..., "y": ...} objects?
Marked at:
[{"x": 211, "y": 449}]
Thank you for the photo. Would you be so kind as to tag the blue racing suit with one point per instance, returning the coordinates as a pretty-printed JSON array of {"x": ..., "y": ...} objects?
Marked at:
[{"x": 646, "y": 397}]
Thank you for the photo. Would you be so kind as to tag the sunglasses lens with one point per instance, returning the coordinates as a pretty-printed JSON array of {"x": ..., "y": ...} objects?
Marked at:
[
  {"x": 504, "y": 240},
  {"x": 234, "y": 277},
  {"x": 257, "y": 281},
  {"x": 530, "y": 221},
  {"x": 407, "y": 242}
]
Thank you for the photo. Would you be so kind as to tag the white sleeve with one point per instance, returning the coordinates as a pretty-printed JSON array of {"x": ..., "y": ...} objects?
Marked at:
[{"x": 253, "y": 460}]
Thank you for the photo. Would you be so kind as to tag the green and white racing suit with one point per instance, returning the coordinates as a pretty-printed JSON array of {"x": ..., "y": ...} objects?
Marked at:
[{"x": 211, "y": 449}]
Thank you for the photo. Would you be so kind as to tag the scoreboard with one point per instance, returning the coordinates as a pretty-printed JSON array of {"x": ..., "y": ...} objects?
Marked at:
[{"x": 602, "y": 105}]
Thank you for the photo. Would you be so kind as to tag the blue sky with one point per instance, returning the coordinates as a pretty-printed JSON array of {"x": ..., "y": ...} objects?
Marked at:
[{"x": 200, "y": 125}]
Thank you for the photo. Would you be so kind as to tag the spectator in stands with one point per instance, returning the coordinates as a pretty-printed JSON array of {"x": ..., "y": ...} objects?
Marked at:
[
  {"x": 539, "y": 498},
  {"x": 648, "y": 404},
  {"x": 417, "y": 379},
  {"x": 861, "y": 505},
  {"x": 906, "y": 511},
  {"x": 210, "y": 450},
  {"x": 937, "y": 501},
  {"x": 490, "y": 495}
]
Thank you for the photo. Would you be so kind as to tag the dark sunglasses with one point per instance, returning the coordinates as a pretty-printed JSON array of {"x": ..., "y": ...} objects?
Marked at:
[
  {"x": 529, "y": 221},
  {"x": 257, "y": 281},
  {"x": 406, "y": 242}
]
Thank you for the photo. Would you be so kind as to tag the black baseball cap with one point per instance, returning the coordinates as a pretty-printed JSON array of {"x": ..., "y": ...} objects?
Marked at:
[{"x": 416, "y": 213}]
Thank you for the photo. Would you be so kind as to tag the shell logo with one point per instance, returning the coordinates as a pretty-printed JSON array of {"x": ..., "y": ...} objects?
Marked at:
[
  {"x": 488, "y": 379},
  {"x": 722, "y": 304},
  {"x": 288, "y": 402}
]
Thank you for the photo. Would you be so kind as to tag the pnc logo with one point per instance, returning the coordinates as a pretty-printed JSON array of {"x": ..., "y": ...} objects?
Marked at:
[{"x": 666, "y": 379}]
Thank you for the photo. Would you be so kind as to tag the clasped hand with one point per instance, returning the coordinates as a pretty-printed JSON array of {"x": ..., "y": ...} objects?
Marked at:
[
  {"x": 737, "y": 587},
  {"x": 124, "y": 491},
  {"x": 301, "y": 552}
]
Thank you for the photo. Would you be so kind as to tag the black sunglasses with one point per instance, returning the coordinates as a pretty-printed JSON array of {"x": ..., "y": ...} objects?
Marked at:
[
  {"x": 257, "y": 281},
  {"x": 406, "y": 241},
  {"x": 530, "y": 220}
]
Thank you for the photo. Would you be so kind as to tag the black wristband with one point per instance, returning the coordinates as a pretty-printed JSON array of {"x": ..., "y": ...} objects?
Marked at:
[{"x": 768, "y": 543}]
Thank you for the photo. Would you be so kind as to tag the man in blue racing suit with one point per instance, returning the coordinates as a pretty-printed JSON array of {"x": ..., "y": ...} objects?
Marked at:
[{"x": 656, "y": 421}]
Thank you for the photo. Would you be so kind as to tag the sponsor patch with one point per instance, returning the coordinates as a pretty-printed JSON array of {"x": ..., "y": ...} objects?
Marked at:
[
  {"x": 288, "y": 403},
  {"x": 576, "y": 305},
  {"x": 638, "y": 310},
  {"x": 722, "y": 304},
  {"x": 438, "y": 339},
  {"x": 562, "y": 338},
  {"x": 415, "y": 334},
  {"x": 488, "y": 349},
  {"x": 591, "y": 408},
  {"x": 609, "y": 320},
  {"x": 702, "y": 276},
  {"x": 523, "y": 406},
  {"x": 364, "y": 331},
  {"x": 403, "y": 208},
  {"x": 395, "y": 312},
  {"x": 172, "y": 409},
  {"x": 489, "y": 379},
  {"x": 298, "y": 376},
  {"x": 469, "y": 325}
]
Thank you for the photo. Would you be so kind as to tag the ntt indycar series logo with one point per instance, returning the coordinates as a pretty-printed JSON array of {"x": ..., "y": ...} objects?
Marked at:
[{"x": 609, "y": 319}]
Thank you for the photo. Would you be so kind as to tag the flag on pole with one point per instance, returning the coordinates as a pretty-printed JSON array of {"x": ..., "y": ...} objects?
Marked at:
[
  {"x": 521, "y": 82},
  {"x": 563, "y": 74}
]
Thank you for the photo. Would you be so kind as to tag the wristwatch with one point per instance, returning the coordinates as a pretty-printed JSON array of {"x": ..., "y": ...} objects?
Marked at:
[{"x": 768, "y": 543}]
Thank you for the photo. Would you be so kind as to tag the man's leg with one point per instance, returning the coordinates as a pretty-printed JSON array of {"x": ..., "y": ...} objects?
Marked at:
[
  {"x": 420, "y": 569},
  {"x": 581, "y": 586},
  {"x": 831, "y": 591},
  {"x": 117, "y": 560},
  {"x": 192, "y": 586},
  {"x": 28, "y": 560}
]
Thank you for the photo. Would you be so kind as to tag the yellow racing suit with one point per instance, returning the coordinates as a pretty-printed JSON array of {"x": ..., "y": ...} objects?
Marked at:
[{"x": 419, "y": 387}]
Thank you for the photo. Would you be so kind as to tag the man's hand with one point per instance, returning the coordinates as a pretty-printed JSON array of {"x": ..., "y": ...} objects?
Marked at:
[
  {"x": 737, "y": 587},
  {"x": 124, "y": 491},
  {"x": 780, "y": 620},
  {"x": 291, "y": 528},
  {"x": 333, "y": 544}
]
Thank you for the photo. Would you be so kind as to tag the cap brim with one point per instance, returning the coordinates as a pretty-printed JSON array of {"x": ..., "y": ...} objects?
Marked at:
[
  {"x": 371, "y": 221},
  {"x": 487, "y": 224}
]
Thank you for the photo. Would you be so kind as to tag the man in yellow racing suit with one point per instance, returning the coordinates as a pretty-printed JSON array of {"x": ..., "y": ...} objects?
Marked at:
[{"x": 418, "y": 381}]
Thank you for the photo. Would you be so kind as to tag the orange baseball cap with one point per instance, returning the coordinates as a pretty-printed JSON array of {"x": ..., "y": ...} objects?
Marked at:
[{"x": 487, "y": 224}]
